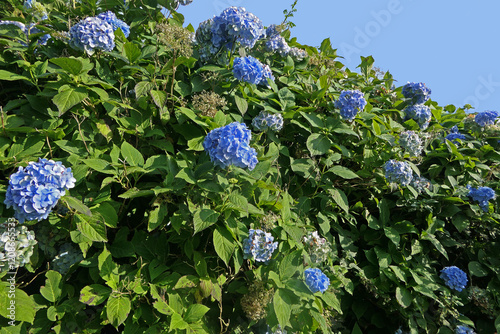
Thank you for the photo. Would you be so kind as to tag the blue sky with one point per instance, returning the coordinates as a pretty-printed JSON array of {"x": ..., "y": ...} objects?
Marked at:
[{"x": 452, "y": 46}]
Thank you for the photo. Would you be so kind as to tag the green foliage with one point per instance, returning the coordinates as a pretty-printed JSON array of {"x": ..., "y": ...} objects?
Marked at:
[{"x": 162, "y": 229}]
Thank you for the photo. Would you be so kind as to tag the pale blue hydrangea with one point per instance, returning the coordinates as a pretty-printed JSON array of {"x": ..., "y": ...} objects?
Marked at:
[
  {"x": 33, "y": 191},
  {"x": 454, "y": 278},
  {"x": 28, "y": 30},
  {"x": 486, "y": 118},
  {"x": 17, "y": 244},
  {"x": 297, "y": 54},
  {"x": 481, "y": 195},
  {"x": 317, "y": 247},
  {"x": 235, "y": 24},
  {"x": 116, "y": 23},
  {"x": 419, "y": 183},
  {"x": 398, "y": 172},
  {"x": 454, "y": 135},
  {"x": 266, "y": 74},
  {"x": 417, "y": 92},
  {"x": 275, "y": 42},
  {"x": 462, "y": 329},
  {"x": 259, "y": 246},
  {"x": 411, "y": 142},
  {"x": 92, "y": 34},
  {"x": 350, "y": 102},
  {"x": 265, "y": 121},
  {"x": 316, "y": 280},
  {"x": 230, "y": 145},
  {"x": 248, "y": 69},
  {"x": 68, "y": 256},
  {"x": 420, "y": 113},
  {"x": 36, "y": 9}
]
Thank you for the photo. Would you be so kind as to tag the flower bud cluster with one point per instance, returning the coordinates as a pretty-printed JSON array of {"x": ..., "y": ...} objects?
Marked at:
[
  {"x": 259, "y": 246},
  {"x": 318, "y": 248},
  {"x": 16, "y": 245},
  {"x": 177, "y": 38},
  {"x": 265, "y": 121},
  {"x": 208, "y": 103},
  {"x": 230, "y": 145},
  {"x": 68, "y": 256},
  {"x": 398, "y": 172},
  {"x": 350, "y": 102},
  {"x": 34, "y": 190},
  {"x": 411, "y": 142}
]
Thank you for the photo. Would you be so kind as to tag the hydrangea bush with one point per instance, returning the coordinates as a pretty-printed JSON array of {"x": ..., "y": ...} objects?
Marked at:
[{"x": 230, "y": 179}]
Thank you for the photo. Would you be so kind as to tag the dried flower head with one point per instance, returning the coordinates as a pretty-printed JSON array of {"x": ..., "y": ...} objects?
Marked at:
[
  {"x": 208, "y": 103},
  {"x": 255, "y": 301},
  {"x": 177, "y": 38}
]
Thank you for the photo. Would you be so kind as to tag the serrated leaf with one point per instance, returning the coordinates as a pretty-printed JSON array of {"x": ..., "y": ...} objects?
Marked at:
[
  {"x": 117, "y": 309},
  {"x": 71, "y": 65},
  {"x": 92, "y": 227},
  {"x": 132, "y": 52},
  {"x": 94, "y": 294},
  {"x": 68, "y": 98},
  {"x": 132, "y": 155},
  {"x": 282, "y": 307},
  {"x": 77, "y": 205},
  {"x": 159, "y": 97},
  {"x": 195, "y": 312},
  {"x": 204, "y": 218},
  {"x": 52, "y": 289},
  {"x": 100, "y": 165},
  {"x": 156, "y": 217},
  {"x": 10, "y": 76},
  {"x": 108, "y": 212},
  {"x": 241, "y": 103},
  {"x": 223, "y": 244},
  {"x": 108, "y": 269},
  {"x": 24, "y": 306},
  {"x": 318, "y": 144},
  {"x": 340, "y": 198},
  {"x": 343, "y": 172},
  {"x": 142, "y": 88}
]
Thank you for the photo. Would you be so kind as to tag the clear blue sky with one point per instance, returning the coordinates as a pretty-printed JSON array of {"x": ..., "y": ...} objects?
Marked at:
[{"x": 452, "y": 46}]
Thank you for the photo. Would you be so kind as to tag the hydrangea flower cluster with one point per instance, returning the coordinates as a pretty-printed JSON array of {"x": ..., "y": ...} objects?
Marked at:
[
  {"x": 398, "y": 172},
  {"x": 419, "y": 113},
  {"x": 68, "y": 256},
  {"x": 92, "y": 33},
  {"x": 16, "y": 245},
  {"x": 486, "y": 118},
  {"x": 266, "y": 74},
  {"x": 481, "y": 195},
  {"x": 454, "y": 277},
  {"x": 116, "y": 23},
  {"x": 28, "y": 30},
  {"x": 265, "y": 121},
  {"x": 454, "y": 135},
  {"x": 255, "y": 301},
  {"x": 236, "y": 24},
  {"x": 185, "y": 2},
  {"x": 203, "y": 40},
  {"x": 49, "y": 238},
  {"x": 350, "y": 103},
  {"x": 316, "y": 280},
  {"x": 297, "y": 53},
  {"x": 411, "y": 142},
  {"x": 462, "y": 329},
  {"x": 417, "y": 92},
  {"x": 275, "y": 42},
  {"x": 419, "y": 183},
  {"x": 259, "y": 245},
  {"x": 251, "y": 70},
  {"x": 317, "y": 247},
  {"x": 33, "y": 191},
  {"x": 36, "y": 9},
  {"x": 230, "y": 145}
]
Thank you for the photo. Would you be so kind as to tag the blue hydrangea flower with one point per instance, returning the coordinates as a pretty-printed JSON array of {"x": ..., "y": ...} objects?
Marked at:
[
  {"x": 454, "y": 277},
  {"x": 316, "y": 280},
  {"x": 116, "y": 23},
  {"x": 203, "y": 40},
  {"x": 266, "y": 74},
  {"x": 454, "y": 135},
  {"x": 275, "y": 42},
  {"x": 259, "y": 246},
  {"x": 92, "y": 33},
  {"x": 236, "y": 24},
  {"x": 248, "y": 69},
  {"x": 419, "y": 183},
  {"x": 28, "y": 4},
  {"x": 350, "y": 102},
  {"x": 486, "y": 118},
  {"x": 481, "y": 195},
  {"x": 462, "y": 329},
  {"x": 297, "y": 54},
  {"x": 266, "y": 121},
  {"x": 398, "y": 172},
  {"x": 417, "y": 92},
  {"x": 68, "y": 256},
  {"x": 411, "y": 142},
  {"x": 34, "y": 191},
  {"x": 419, "y": 113},
  {"x": 28, "y": 30},
  {"x": 230, "y": 145}
]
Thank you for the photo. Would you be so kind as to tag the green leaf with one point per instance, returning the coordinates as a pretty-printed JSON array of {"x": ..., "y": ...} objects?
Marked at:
[
  {"x": 132, "y": 52},
  {"x": 13, "y": 298},
  {"x": 392, "y": 234},
  {"x": 290, "y": 265},
  {"x": 92, "y": 227},
  {"x": 282, "y": 307},
  {"x": 313, "y": 119},
  {"x": 157, "y": 216},
  {"x": 204, "y": 218},
  {"x": 476, "y": 269},
  {"x": 223, "y": 244},
  {"x": 195, "y": 312},
  {"x": 108, "y": 270},
  {"x": 132, "y": 155},
  {"x": 71, "y": 65},
  {"x": 343, "y": 172},
  {"x": 318, "y": 144},
  {"x": 241, "y": 103},
  {"x": 142, "y": 88},
  {"x": 403, "y": 296},
  {"x": 9, "y": 76},
  {"x": 159, "y": 97},
  {"x": 94, "y": 294},
  {"x": 69, "y": 97},
  {"x": 340, "y": 198},
  {"x": 117, "y": 309},
  {"x": 108, "y": 212},
  {"x": 76, "y": 204},
  {"x": 176, "y": 322},
  {"x": 52, "y": 289}
]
